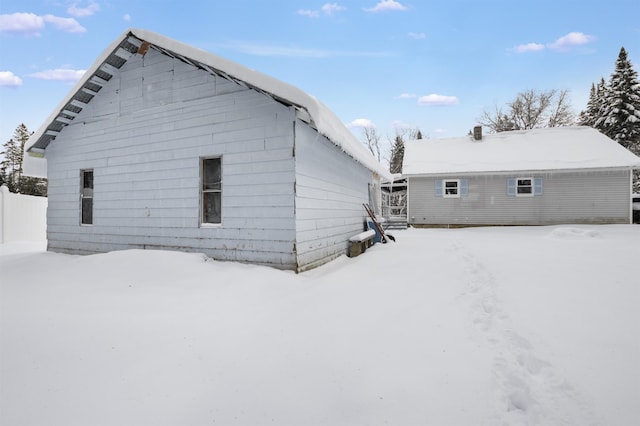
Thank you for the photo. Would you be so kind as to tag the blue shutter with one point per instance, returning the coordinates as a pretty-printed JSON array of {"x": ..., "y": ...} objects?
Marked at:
[
  {"x": 537, "y": 186},
  {"x": 464, "y": 187},
  {"x": 511, "y": 187},
  {"x": 438, "y": 188}
]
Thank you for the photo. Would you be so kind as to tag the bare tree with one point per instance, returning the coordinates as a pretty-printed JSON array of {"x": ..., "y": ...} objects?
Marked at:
[
  {"x": 531, "y": 109},
  {"x": 372, "y": 140},
  {"x": 561, "y": 113},
  {"x": 497, "y": 121}
]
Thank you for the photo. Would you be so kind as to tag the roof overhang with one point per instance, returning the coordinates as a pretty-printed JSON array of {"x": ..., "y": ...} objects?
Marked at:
[
  {"x": 136, "y": 41},
  {"x": 105, "y": 68},
  {"x": 520, "y": 172}
]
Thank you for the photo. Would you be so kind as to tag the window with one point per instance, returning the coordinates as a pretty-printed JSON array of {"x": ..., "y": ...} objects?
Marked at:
[
  {"x": 524, "y": 187},
  {"x": 211, "y": 175},
  {"x": 86, "y": 197},
  {"x": 452, "y": 188}
]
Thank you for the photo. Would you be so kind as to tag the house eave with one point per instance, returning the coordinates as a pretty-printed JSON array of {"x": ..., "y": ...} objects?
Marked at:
[
  {"x": 136, "y": 41},
  {"x": 517, "y": 171}
]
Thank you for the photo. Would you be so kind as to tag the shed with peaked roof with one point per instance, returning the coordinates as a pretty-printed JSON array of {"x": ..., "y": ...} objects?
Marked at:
[
  {"x": 161, "y": 145},
  {"x": 531, "y": 177}
]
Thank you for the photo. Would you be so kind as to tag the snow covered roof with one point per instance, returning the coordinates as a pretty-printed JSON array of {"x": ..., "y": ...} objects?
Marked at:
[
  {"x": 133, "y": 40},
  {"x": 557, "y": 148}
]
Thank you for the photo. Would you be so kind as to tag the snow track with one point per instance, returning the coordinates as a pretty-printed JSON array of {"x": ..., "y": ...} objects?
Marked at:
[
  {"x": 485, "y": 327},
  {"x": 528, "y": 389}
]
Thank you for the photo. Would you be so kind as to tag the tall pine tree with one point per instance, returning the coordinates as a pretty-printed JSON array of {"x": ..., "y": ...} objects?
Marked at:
[
  {"x": 13, "y": 153},
  {"x": 397, "y": 155},
  {"x": 614, "y": 109},
  {"x": 619, "y": 115},
  {"x": 11, "y": 167},
  {"x": 588, "y": 116}
]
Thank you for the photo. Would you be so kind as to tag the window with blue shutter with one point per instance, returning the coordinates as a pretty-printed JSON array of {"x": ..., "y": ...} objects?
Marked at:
[
  {"x": 452, "y": 188},
  {"x": 524, "y": 187},
  {"x": 439, "y": 188},
  {"x": 537, "y": 186},
  {"x": 511, "y": 187},
  {"x": 464, "y": 187}
]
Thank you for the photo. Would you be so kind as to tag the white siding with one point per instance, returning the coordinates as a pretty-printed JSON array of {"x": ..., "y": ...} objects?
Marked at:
[
  {"x": 144, "y": 134},
  {"x": 568, "y": 197},
  {"x": 330, "y": 190}
]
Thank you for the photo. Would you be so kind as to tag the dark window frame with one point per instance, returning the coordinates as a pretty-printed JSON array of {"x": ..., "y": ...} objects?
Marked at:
[
  {"x": 86, "y": 197},
  {"x": 211, "y": 191},
  {"x": 524, "y": 189},
  {"x": 451, "y": 188}
]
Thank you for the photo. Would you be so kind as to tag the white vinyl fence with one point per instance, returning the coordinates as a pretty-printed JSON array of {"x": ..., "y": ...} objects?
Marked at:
[{"x": 22, "y": 217}]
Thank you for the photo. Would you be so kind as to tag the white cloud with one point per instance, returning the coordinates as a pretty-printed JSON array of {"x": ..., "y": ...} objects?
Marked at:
[
  {"x": 566, "y": 42},
  {"x": 407, "y": 96},
  {"x": 326, "y": 9},
  {"x": 563, "y": 44},
  {"x": 68, "y": 25},
  {"x": 28, "y": 24},
  {"x": 81, "y": 12},
  {"x": 417, "y": 36},
  {"x": 529, "y": 47},
  {"x": 437, "y": 100},
  {"x": 361, "y": 123},
  {"x": 309, "y": 13},
  {"x": 387, "y": 5},
  {"x": 9, "y": 79},
  {"x": 126, "y": 17},
  {"x": 60, "y": 74},
  {"x": 330, "y": 8}
]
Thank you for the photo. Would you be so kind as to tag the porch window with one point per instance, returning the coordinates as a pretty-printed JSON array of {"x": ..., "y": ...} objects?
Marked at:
[
  {"x": 86, "y": 197},
  {"x": 211, "y": 191}
]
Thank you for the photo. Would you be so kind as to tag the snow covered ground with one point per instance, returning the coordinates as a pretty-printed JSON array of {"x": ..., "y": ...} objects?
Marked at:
[{"x": 486, "y": 326}]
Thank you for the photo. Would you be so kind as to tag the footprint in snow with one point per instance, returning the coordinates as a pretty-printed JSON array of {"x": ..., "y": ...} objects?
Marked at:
[{"x": 527, "y": 389}]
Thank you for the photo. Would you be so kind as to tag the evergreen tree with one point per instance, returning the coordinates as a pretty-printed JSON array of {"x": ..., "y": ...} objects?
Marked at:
[
  {"x": 620, "y": 111},
  {"x": 616, "y": 109},
  {"x": 588, "y": 116},
  {"x": 11, "y": 167},
  {"x": 601, "y": 94},
  {"x": 595, "y": 104},
  {"x": 397, "y": 147},
  {"x": 397, "y": 155}
]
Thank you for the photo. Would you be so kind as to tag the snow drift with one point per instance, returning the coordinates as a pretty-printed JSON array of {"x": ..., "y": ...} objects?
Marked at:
[{"x": 491, "y": 326}]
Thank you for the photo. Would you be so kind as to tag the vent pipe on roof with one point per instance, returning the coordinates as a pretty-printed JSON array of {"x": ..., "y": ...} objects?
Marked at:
[{"x": 477, "y": 133}]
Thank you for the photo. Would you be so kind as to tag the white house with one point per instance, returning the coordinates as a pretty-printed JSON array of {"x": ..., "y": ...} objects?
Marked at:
[
  {"x": 161, "y": 145},
  {"x": 533, "y": 177}
]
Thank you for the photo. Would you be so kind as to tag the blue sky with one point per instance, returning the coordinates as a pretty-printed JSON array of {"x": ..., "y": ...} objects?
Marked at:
[{"x": 432, "y": 65}]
